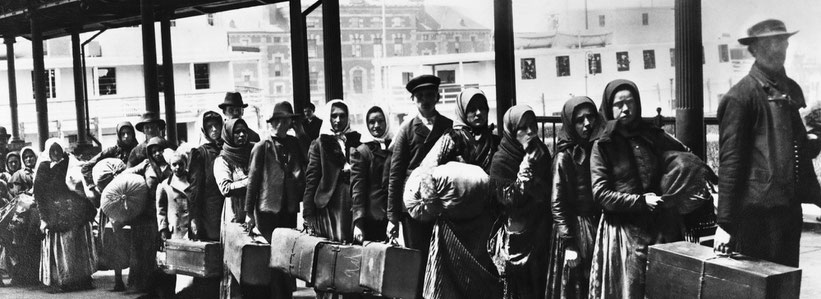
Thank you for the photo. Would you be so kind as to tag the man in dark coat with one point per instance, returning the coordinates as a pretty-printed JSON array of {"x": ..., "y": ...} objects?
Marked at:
[
  {"x": 311, "y": 123},
  {"x": 233, "y": 107},
  {"x": 152, "y": 126},
  {"x": 765, "y": 166}
]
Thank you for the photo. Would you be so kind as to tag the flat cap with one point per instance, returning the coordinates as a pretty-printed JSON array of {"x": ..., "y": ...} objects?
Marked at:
[{"x": 423, "y": 81}]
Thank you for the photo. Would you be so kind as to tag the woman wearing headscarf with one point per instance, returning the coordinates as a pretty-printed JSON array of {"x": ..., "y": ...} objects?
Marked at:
[
  {"x": 520, "y": 173},
  {"x": 367, "y": 179},
  {"x": 126, "y": 141},
  {"x": 13, "y": 164},
  {"x": 231, "y": 166},
  {"x": 24, "y": 251},
  {"x": 29, "y": 157},
  {"x": 205, "y": 198},
  {"x": 625, "y": 169},
  {"x": 575, "y": 214},
  {"x": 68, "y": 258}
]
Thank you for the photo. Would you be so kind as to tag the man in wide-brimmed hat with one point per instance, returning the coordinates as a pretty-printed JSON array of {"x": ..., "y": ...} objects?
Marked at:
[
  {"x": 233, "y": 107},
  {"x": 152, "y": 126},
  {"x": 765, "y": 155}
]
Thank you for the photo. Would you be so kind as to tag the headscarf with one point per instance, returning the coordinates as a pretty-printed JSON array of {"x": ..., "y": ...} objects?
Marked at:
[
  {"x": 232, "y": 152},
  {"x": 327, "y": 127},
  {"x": 128, "y": 145},
  {"x": 462, "y": 102},
  {"x": 568, "y": 137},
  {"x": 23, "y": 154},
  {"x": 44, "y": 156},
  {"x": 385, "y": 138},
  {"x": 204, "y": 139},
  {"x": 506, "y": 161},
  {"x": 153, "y": 142},
  {"x": 8, "y": 158},
  {"x": 638, "y": 126}
]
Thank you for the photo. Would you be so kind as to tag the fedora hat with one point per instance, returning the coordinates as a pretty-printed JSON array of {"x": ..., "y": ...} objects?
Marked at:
[
  {"x": 282, "y": 110},
  {"x": 149, "y": 117},
  {"x": 766, "y": 28},
  {"x": 232, "y": 99}
]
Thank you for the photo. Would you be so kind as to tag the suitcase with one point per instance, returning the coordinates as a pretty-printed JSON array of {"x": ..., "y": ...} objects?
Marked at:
[
  {"x": 390, "y": 270},
  {"x": 337, "y": 268},
  {"x": 687, "y": 270},
  {"x": 194, "y": 258},
  {"x": 245, "y": 256},
  {"x": 292, "y": 252}
]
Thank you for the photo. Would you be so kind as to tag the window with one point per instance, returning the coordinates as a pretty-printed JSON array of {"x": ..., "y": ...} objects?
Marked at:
[
  {"x": 210, "y": 19},
  {"x": 649, "y": 59},
  {"x": 312, "y": 48},
  {"x": 622, "y": 61},
  {"x": 377, "y": 50},
  {"x": 645, "y": 19},
  {"x": 397, "y": 46},
  {"x": 396, "y": 22},
  {"x": 278, "y": 60},
  {"x": 246, "y": 78},
  {"x": 473, "y": 38},
  {"x": 277, "y": 70},
  {"x": 723, "y": 53},
  {"x": 673, "y": 57},
  {"x": 594, "y": 63},
  {"x": 356, "y": 50},
  {"x": 457, "y": 38},
  {"x": 277, "y": 39},
  {"x": 406, "y": 77},
  {"x": 357, "y": 81},
  {"x": 279, "y": 89},
  {"x": 426, "y": 52},
  {"x": 353, "y": 22},
  {"x": 311, "y": 23},
  {"x": 172, "y": 23},
  {"x": 202, "y": 76},
  {"x": 562, "y": 66},
  {"x": 456, "y": 47},
  {"x": 313, "y": 79},
  {"x": 447, "y": 76},
  {"x": 601, "y": 20},
  {"x": 528, "y": 68},
  {"x": 107, "y": 80},
  {"x": 51, "y": 84}
]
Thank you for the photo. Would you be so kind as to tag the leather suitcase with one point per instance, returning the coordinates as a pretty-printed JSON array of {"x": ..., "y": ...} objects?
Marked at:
[
  {"x": 194, "y": 258},
  {"x": 687, "y": 270},
  {"x": 390, "y": 270},
  {"x": 337, "y": 268},
  {"x": 293, "y": 252},
  {"x": 245, "y": 256}
]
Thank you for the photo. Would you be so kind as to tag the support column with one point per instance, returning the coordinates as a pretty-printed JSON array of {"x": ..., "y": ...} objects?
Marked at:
[
  {"x": 168, "y": 77},
  {"x": 79, "y": 91},
  {"x": 39, "y": 80},
  {"x": 505, "y": 63},
  {"x": 152, "y": 95},
  {"x": 332, "y": 48},
  {"x": 689, "y": 76},
  {"x": 15, "y": 121},
  {"x": 299, "y": 57}
]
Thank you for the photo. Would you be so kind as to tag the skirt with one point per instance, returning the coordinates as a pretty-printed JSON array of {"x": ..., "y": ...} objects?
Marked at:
[
  {"x": 562, "y": 280},
  {"x": 68, "y": 257},
  {"x": 335, "y": 220}
]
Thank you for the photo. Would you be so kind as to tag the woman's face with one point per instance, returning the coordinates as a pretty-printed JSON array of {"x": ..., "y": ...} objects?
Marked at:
[
  {"x": 55, "y": 152},
  {"x": 476, "y": 113},
  {"x": 213, "y": 128},
  {"x": 156, "y": 154},
  {"x": 13, "y": 164},
  {"x": 583, "y": 119},
  {"x": 240, "y": 134},
  {"x": 376, "y": 123},
  {"x": 126, "y": 134},
  {"x": 625, "y": 107},
  {"x": 527, "y": 130},
  {"x": 29, "y": 159},
  {"x": 339, "y": 119}
]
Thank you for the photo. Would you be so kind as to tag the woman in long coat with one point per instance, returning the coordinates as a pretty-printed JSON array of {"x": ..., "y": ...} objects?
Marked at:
[
  {"x": 625, "y": 172},
  {"x": 68, "y": 258},
  {"x": 231, "y": 166},
  {"x": 520, "y": 173},
  {"x": 575, "y": 214},
  {"x": 370, "y": 192}
]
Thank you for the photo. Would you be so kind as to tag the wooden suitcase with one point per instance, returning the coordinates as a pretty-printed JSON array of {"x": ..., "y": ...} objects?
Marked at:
[
  {"x": 390, "y": 270},
  {"x": 245, "y": 256},
  {"x": 194, "y": 258},
  {"x": 687, "y": 270},
  {"x": 337, "y": 268},
  {"x": 293, "y": 252}
]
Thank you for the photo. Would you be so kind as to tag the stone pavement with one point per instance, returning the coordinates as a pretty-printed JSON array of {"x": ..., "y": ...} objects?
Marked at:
[{"x": 810, "y": 263}]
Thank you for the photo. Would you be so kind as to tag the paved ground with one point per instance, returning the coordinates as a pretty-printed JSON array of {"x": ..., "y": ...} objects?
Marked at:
[{"x": 810, "y": 263}]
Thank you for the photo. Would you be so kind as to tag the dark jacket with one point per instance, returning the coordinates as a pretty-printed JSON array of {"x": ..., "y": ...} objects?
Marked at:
[
  {"x": 369, "y": 193},
  {"x": 274, "y": 167},
  {"x": 765, "y": 158},
  {"x": 205, "y": 201},
  {"x": 312, "y": 128},
  {"x": 326, "y": 161},
  {"x": 137, "y": 154},
  {"x": 572, "y": 195},
  {"x": 411, "y": 144}
]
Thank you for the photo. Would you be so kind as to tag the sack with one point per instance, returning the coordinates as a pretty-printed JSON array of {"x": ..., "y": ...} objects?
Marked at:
[
  {"x": 390, "y": 271},
  {"x": 685, "y": 181},
  {"x": 337, "y": 268},
  {"x": 246, "y": 257},
  {"x": 105, "y": 171},
  {"x": 124, "y": 198},
  {"x": 293, "y": 253},
  {"x": 457, "y": 190}
]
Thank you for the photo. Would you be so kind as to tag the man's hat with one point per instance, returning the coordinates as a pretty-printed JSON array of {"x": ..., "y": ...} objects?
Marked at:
[
  {"x": 3, "y": 131},
  {"x": 766, "y": 28},
  {"x": 150, "y": 117},
  {"x": 232, "y": 99},
  {"x": 282, "y": 110},
  {"x": 423, "y": 81}
]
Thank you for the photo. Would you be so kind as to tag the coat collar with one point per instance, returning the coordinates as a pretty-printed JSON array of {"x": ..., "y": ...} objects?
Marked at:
[{"x": 441, "y": 125}]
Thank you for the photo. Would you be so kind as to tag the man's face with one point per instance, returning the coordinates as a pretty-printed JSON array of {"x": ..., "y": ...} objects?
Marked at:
[
  {"x": 280, "y": 126},
  {"x": 771, "y": 52},
  {"x": 309, "y": 113},
  {"x": 232, "y": 112},
  {"x": 426, "y": 99},
  {"x": 151, "y": 130}
]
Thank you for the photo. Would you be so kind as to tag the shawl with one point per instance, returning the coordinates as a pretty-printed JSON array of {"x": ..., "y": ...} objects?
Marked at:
[
  {"x": 510, "y": 154},
  {"x": 638, "y": 126},
  {"x": 128, "y": 145},
  {"x": 568, "y": 138},
  {"x": 232, "y": 152},
  {"x": 386, "y": 137},
  {"x": 327, "y": 127},
  {"x": 464, "y": 99},
  {"x": 204, "y": 139}
]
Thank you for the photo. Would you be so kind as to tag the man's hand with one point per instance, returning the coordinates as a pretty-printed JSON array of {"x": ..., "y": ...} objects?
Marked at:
[{"x": 723, "y": 242}]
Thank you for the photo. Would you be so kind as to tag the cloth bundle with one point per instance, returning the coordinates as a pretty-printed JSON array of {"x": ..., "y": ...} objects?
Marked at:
[
  {"x": 685, "y": 182},
  {"x": 124, "y": 198},
  {"x": 456, "y": 190},
  {"x": 105, "y": 171}
]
